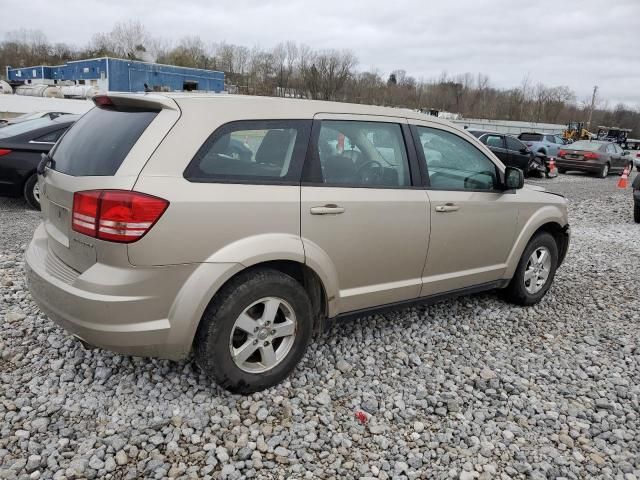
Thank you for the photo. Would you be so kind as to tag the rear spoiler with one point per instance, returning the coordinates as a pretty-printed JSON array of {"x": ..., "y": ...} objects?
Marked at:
[{"x": 135, "y": 101}]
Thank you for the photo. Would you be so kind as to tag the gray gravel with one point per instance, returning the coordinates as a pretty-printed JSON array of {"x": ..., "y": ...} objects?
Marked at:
[{"x": 470, "y": 389}]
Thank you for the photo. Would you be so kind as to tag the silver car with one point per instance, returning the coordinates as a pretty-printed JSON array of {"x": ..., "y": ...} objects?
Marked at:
[{"x": 238, "y": 226}]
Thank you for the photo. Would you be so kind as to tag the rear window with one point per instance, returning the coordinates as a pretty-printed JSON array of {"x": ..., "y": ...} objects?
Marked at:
[
  {"x": 530, "y": 137},
  {"x": 24, "y": 127},
  {"x": 98, "y": 143},
  {"x": 585, "y": 145}
]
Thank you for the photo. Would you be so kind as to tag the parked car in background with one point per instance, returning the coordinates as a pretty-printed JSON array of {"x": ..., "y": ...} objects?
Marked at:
[
  {"x": 544, "y": 143},
  {"x": 636, "y": 198},
  {"x": 21, "y": 147},
  {"x": 636, "y": 159},
  {"x": 30, "y": 116},
  {"x": 593, "y": 156},
  {"x": 158, "y": 237},
  {"x": 512, "y": 152}
]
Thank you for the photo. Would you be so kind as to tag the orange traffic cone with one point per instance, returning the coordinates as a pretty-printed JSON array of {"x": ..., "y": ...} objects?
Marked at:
[{"x": 622, "y": 183}]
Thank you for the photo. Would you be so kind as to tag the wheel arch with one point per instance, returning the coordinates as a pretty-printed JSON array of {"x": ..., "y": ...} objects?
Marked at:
[
  {"x": 194, "y": 299},
  {"x": 305, "y": 276},
  {"x": 560, "y": 235},
  {"x": 25, "y": 178},
  {"x": 548, "y": 219}
]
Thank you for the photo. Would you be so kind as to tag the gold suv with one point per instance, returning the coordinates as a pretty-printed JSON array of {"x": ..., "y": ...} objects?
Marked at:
[{"x": 237, "y": 226}]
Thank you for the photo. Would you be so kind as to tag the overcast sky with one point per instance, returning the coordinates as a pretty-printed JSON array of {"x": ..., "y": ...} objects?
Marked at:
[{"x": 558, "y": 42}]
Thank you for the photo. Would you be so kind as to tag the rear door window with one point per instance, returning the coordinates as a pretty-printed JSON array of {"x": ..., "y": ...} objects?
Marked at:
[
  {"x": 360, "y": 154},
  {"x": 253, "y": 151},
  {"x": 530, "y": 137},
  {"x": 98, "y": 143}
]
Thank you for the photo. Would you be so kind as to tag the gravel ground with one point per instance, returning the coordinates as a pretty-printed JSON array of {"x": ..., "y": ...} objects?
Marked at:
[{"x": 471, "y": 388}]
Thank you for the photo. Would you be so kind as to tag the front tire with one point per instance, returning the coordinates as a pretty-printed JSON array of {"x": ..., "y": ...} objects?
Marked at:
[
  {"x": 535, "y": 272},
  {"x": 636, "y": 213},
  {"x": 562, "y": 170},
  {"x": 255, "y": 331},
  {"x": 32, "y": 192}
]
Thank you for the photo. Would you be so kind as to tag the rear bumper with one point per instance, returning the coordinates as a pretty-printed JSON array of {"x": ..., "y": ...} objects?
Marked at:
[
  {"x": 10, "y": 189},
  {"x": 134, "y": 311},
  {"x": 579, "y": 165}
]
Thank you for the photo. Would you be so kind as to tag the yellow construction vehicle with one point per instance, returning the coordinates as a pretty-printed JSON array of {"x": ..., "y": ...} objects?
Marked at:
[{"x": 576, "y": 131}]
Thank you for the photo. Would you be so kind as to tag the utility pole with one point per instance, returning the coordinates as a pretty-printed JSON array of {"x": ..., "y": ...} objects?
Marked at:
[{"x": 593, "y": 104}]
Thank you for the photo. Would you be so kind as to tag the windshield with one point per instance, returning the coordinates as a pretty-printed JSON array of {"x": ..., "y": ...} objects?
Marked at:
[
  {"x": 586, "y": 145},
  {"x": 24, "y": 127}
]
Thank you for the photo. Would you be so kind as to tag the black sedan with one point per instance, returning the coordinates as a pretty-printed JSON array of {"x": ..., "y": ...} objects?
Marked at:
[
  {"x": 21, "y": 146},
  {"x": 512, "y": 152}
]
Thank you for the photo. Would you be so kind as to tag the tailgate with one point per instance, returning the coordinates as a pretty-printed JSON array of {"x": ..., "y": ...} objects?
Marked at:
[
  {"x": 56, "y": 201},
  {"x": 105, "y": 150}
]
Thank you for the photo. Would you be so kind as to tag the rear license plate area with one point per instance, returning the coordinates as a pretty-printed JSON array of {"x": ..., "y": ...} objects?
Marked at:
[{"x": 58, "y": 220}]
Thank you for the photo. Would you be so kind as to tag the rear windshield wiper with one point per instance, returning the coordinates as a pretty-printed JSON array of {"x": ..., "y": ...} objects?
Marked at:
[{"x": 45, "y": 161}]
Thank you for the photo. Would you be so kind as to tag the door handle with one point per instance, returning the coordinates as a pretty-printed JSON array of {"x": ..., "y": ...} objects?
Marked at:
[
  {"x": 329, "y": 209},
  {"x": 449, "y": 207}
]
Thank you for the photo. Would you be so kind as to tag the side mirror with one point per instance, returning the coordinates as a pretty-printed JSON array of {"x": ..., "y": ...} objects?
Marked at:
[
  {"x": 513, "y": 178},
  {"x": 524, "y": 150},
  {"x": 626, "y": 152}
]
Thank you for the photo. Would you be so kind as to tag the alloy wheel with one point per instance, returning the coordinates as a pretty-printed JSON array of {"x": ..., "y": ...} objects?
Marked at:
[
  {"x": 537, "y": 271},
  {"x": 36, "y": 192},
  {"x": 263, "y": 335}
]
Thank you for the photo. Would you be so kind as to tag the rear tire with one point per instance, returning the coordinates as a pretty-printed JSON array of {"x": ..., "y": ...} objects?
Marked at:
[
  {"x": 636, "y": 213},
  {"x": 32, "y": 192},
  {"x": 520, "y": 290},
  {"x": 222, "y": 332},
  {"x": 604, "y": 171}
]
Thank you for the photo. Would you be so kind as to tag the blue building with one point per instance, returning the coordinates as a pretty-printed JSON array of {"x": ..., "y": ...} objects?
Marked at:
[{"x": 120, "y": 75}]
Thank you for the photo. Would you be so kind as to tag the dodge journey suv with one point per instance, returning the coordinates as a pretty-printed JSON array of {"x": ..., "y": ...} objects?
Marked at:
[{"x": 236, "y": 227}]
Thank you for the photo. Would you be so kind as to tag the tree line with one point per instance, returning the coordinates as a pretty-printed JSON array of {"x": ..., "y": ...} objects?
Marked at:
[{"x": 296, "y": 70}]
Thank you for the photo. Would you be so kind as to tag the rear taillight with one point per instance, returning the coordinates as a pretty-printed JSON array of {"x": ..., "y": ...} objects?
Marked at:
[
  {"x": 116, "y": 215},
  {"x": 591, "y": 156},
  {"x": 562, "y": 153},
  {"x": 85, "y": 212},
  {"x": 4, "y": 151}
]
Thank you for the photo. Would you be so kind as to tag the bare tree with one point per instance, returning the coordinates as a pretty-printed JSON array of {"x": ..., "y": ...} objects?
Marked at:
[{"x": 289, "y": 69}]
